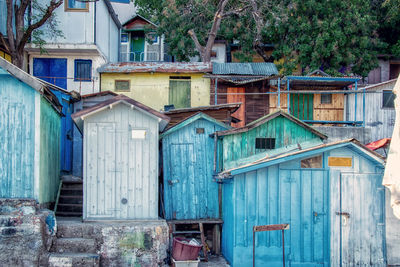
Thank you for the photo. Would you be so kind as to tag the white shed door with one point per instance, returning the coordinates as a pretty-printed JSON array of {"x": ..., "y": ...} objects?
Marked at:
[
  {"x": 362, "y": 220},
  {"x": 100, "y": 167}
]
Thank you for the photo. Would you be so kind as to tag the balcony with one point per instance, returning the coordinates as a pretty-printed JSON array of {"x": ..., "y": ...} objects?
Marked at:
[{"x": 144, "y": 57}]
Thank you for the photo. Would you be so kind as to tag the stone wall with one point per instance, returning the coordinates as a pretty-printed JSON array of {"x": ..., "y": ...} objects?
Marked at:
[{"x": 26, "y": 233}]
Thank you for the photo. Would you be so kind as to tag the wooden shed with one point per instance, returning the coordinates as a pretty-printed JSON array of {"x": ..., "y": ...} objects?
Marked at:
[
  {"x": 189, "y": 162},
  {"x": 245, "y": 83},
  {"x": 120, "y": 159},
  {"x": 272, "y": 134},
  {"x": 331, "y": 196},
  {"x": 86, "y": 101},
  {"x": 30, "y": 122}
]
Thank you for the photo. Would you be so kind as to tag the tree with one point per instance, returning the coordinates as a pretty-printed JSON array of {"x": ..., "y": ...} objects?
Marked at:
[
  {"x": 19, "y": 34},
  {"x": 335, "y": 36}
]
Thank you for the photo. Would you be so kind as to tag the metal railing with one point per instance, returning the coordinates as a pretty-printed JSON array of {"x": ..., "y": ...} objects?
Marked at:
[
  {"x": 89, "y": 83},
  {"x": 141, "y": 56}
]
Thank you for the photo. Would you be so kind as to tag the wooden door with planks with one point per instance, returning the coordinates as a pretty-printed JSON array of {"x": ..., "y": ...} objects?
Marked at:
[{"x": 236, "y": 95}]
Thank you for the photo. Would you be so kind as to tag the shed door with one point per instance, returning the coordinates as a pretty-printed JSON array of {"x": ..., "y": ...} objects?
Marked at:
[
  {"x": 362, "y": 220},
  {"x": 100, "y": 168},
  {"x": 137, "y": 46},
  {"x": 304, "y": 205},
  {"x": 182, "y": 182},
  {"x": 236, "y": 95},
  {"x": 301, "y": 106},
  {"x": 179, "y": 92}
]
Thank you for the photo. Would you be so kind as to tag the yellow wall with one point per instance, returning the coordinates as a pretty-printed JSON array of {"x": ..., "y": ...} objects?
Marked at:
[
  {"x": 5, "y": 55},
  {"x": 152, "y": 89}
]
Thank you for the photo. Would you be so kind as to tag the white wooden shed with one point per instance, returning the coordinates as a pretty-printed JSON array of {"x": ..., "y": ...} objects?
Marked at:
[{"x": 120, "y": 159}]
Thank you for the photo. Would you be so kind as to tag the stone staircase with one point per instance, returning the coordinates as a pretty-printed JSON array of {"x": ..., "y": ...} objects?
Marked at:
[
  {"x": 70, "y": 200},
  {"x": 73, "y": 246}
]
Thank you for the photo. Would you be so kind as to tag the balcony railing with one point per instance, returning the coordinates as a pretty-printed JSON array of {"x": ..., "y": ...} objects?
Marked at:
[{"x": 142, "y": 56}]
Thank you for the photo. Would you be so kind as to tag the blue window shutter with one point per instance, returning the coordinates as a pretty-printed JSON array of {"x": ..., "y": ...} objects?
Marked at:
[{"x": 83, "y": 70}]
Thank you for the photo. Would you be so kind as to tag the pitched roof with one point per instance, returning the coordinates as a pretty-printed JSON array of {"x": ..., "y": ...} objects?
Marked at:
[
  {"x": 80, "y": 115},
  {"x": 102, "y": 93},
  {"x": 136, "y": 17},
  {"x": 268, "y": 161},
  {"x": 269, "y": 117},
  {"x": 222, "y": 112},
  {"x": 42, "y": 87},
  {"x": 191, "y": 119},
  {"x": 165, "y": 67},
  {"x": 256, "y": 69}
]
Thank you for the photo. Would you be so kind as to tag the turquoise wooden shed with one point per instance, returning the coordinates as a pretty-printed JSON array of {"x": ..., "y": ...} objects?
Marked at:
[
  {"x": 30, "y": 122},
  {"x": 120, "y": 159},
  {"x": 271, "y": 134},
  {"x": 331, "y": 196},
  {"x": 189, "y": 163}
]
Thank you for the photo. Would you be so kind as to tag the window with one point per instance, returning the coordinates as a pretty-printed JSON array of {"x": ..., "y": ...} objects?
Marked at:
[
  {"x": 265, "y": 143},
  {"x": 388, "y": 99},
  {"x": 313, "y": 163},
  {"x": 122, "y": 85},
  {"x": 200, "y": 130},
  {"x": 152, "y": 38},
  {"x": 75, "y": 5},
  {"x": 83, "y": 70},
  {"x": 124, "y": 38},
  {"x": 326, "y": 99}
]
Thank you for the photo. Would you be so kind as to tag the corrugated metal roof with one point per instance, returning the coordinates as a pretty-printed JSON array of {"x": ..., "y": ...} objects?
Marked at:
[
  {"x": 259, "y": 69},
  {"x": 169, "y": 67}
]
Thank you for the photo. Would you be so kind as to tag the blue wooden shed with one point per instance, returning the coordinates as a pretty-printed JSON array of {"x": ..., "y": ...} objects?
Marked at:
[
  {"x": 190, "y": 191},
  {"x": 30, "y": 119},
  {"x": 330, "y": 194}
]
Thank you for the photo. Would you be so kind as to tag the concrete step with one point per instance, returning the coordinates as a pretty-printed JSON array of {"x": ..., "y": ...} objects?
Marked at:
[
  {"x": 73, "y": 229},
  {"x": 73, "y": 259},
  {"x": 76, "y": 245},
  {"x": 68, "y": 214}
]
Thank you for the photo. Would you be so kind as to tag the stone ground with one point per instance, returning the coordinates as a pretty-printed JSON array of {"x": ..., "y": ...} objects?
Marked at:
[{"x": 214, "y": 261}]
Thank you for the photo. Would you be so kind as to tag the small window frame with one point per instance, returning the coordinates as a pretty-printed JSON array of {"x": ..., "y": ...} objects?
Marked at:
[
  {"x": 326, "y": 99},
  {"x": 122, "y": 90},
  {"x": 264, "y": 143},
  {"x": 124, "y": 38},
  {"x": 79, "y": 79},
  {"x": 72, "y": 9},
  {"x": 391, "y": 94}
]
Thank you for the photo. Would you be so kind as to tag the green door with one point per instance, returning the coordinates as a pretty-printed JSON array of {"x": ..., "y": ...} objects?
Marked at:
[
  {"x": 179, "y": 93},
  {"x": 137, "y": 46},
  {"x": 301, "y": 106}
]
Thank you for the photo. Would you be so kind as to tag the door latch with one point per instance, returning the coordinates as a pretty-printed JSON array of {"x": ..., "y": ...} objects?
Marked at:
[{"x": 172, "y": 182}]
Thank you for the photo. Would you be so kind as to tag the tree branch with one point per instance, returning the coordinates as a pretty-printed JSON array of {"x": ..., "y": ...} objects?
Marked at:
[
  {"x": 236, "y": 12},
  {"x": 49, "y": 11},
  {"x": 10, "y": 32},
  {"x": 199, "y": 47}
]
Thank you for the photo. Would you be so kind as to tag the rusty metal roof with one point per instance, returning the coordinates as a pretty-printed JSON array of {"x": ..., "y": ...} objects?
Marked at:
[
  {"x": 256, "y": 69},
  {"x": 166, "y": 67}
]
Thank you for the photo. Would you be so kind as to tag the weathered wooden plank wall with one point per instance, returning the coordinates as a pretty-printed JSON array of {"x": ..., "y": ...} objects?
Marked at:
[
  {"x": 17, "y": 142},
  {"x": 50, "y": 136},
  {"x": 120, "y": 173},
  {"x": 379, "y": 120},
  {"x": 242, "y": 145},
  {"x": 188, "y": 160}
]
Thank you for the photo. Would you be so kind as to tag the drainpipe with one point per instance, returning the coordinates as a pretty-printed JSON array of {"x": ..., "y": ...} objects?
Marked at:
[{"x": 95, "y": 24}]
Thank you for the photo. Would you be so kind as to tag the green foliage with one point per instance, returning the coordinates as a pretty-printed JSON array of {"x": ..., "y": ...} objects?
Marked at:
[{"x": 332, "y": 35}]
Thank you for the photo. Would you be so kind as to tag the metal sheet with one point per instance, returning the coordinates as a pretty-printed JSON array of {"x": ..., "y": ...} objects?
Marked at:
[{"x": 267, "y": 69}]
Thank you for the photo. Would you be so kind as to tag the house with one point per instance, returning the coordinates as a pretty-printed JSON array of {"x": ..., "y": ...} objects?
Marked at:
[
  {"x": 157, "y": 84},
  {"x": 271, "y": 134},
  {"x": 246, "y": 83},
  {"x": 86, "y": 101},
  {"x": 120, "y": 159},
  {"x": 30, "y": 123},
  {"x": 91, "y": 32},
  {"x": 388, "y": 69},
  {"x": 139, "y": 41},
  {"x": 330, "y": 195},
  {"x": 317, "y": 98},
  {"x": 189, "y": 164},
  {"x": 222, "y": 113}
]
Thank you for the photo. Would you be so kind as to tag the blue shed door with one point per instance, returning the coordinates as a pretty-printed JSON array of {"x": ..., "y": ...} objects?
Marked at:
[
  {"x": 52, "y": 70},
  {"x": 362, "y": 220},
  {"x": 182, "y": 183},
  {"x": 304, "y": 205}
]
